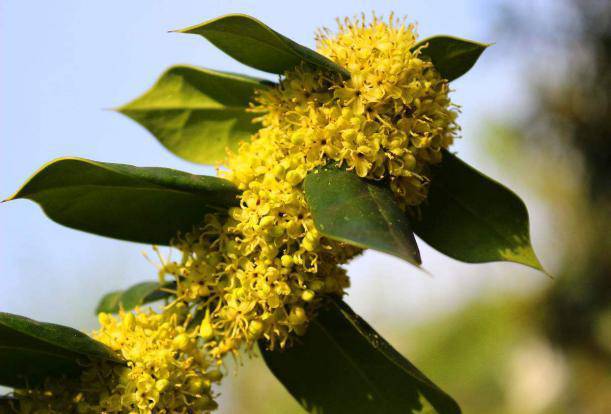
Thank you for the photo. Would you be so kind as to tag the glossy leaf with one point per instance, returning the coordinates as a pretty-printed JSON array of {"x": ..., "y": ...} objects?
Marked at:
[
  {"x": 253, "y": 43},
  {"x": 472, "y": 218},
  {"x": 149, "y": 205},
  {"x": 137, "y": 295},
  {"x": 30, "y": 351},
  {"x": 341, "y": 365},
  {"x": 197, "y": 113},
  {"x": 451, "y": 56},
  {"x": 359, "y": 212}
]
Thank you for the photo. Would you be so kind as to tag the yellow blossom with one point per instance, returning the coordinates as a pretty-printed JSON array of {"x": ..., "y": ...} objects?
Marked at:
[
  {"x": 389, "y": 120},
  {"x": 163, "y": 364},
  {"x": 263, "y": 270}
]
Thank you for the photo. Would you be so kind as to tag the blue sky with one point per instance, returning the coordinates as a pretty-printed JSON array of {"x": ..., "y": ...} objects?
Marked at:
[{"x": 63, "y": 63}]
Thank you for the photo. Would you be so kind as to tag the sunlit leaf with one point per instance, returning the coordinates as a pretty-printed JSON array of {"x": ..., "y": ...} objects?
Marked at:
[
  {"x": 451, "y": 56},
  {"x": 474, "y": 219},
  {"x": 253, "y": 43},
  {"x": 143, "y": 204},
  {"x": 197, "y": 113}
]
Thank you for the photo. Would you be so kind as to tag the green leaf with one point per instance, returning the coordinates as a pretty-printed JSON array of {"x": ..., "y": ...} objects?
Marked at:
[
  {"x": 253, "y": 43},
  {"x": 451, "y": 56},
  {"x": 139, "y": 294},
  {"x": 31, "y": 351},
  {"x": 472, "y": 218},
  {"x": 342, "y": 365},
  {"x": 148, "y": 205},
  {"x": 359, "y": 212},
  {"x": 197, "y": 113}
]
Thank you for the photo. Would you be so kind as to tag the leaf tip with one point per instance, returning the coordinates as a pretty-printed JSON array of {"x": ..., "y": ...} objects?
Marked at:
[
  {"x": 187, "y": 30},
  {"x": 120, "y": 110},
  {"x": 194, "y": 29},
  {"x": 529, "y": 258},
  {"x": 12, "y": 197},
  {"x": 545, "y": 272}
]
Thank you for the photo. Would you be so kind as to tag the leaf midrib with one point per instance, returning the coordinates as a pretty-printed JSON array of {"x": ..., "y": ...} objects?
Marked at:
[
  {"x": 363, "y": 196},
  {"x": 401, "y": 241},
  {"x": 292, "y": 52},
  {"x": 94, "y": 186},
  {"x": 425, "y": 382},
  {"x": 325, "y": 63},
  {"x": 143, "y": 108},
  {"x": 102, "y": 352}
]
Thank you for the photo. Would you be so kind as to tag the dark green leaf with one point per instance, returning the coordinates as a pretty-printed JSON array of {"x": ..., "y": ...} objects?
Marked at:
[
  {"x": 149, "y": 205},
  {"x": 139, "y": 294},
  {"x": 359, "y": 212},
  {"x": 451, "y": 56},
  {"x": 197, "y": 113},
  {"x": 253, "y": 43},
  {"x": 31, "y": 351},
  {"x": 474, "y": 219},
  {"x": 342, "y": 365}
]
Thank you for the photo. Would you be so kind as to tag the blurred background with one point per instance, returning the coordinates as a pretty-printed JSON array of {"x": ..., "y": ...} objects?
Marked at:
[{"x": 536, "y": 116}]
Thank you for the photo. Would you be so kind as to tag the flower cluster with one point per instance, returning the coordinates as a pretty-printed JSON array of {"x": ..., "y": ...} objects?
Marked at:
[
  {"x": 166, "y": 372},
  {"x": 263, "y": 271},
  {"x": 258, "y": 277},
  {"x": 393, "y": 117}
]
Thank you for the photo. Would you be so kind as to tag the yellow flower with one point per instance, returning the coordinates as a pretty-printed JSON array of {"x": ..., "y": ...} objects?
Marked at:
[
  {"x": 272, "y": 269},
  {"x": 263, "y": 270},
  {"x": 166, "y": 373}
]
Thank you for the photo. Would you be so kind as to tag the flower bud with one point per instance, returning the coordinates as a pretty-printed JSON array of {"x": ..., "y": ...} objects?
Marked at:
[
  {"x": 297, "y": 316},
  {"x": 294, "y": 177},
  {"x": 129, "y": 321},
  {"x": 214, "y": 375},
  {"x": 286, "y": 260},
  {"x": 307, "y": 295},
  {"x": 266, "y": 221},
  {"x": 197, "y": 385},
  {"x": 206, "y": 330},
  {"x": 161, "y": 385},
  {"x": 104, "y": 319},
  {"x": 181, "y": 342},
  {"x": 255, "y": 328}
]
